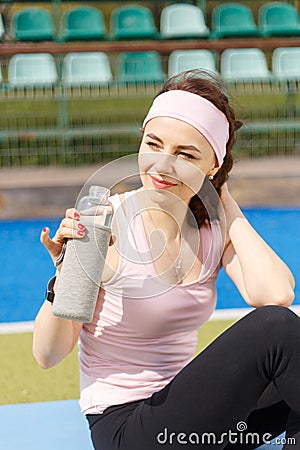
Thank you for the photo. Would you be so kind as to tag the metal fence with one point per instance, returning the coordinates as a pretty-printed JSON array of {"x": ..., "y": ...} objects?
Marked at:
[{"x": 84, "y": 124}]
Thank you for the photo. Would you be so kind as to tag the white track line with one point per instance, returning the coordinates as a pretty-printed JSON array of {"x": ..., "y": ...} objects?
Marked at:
[{"x": 16, "y": 327}]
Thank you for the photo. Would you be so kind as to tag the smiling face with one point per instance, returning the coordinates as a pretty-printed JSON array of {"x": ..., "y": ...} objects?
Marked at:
[{"x": 174, "y": 157}]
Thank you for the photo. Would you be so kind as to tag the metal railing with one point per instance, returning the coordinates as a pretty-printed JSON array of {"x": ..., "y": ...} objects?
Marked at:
[{"x": 80, "y": 125}]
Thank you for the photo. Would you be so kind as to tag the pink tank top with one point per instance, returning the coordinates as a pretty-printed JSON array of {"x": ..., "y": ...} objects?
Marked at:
[{"x": 144, "y": 331}]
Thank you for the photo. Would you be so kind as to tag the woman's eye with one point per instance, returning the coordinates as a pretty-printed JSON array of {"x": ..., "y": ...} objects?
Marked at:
[
  {"x": 187, "y": 155},
  {"x": 152, "y": 144}
]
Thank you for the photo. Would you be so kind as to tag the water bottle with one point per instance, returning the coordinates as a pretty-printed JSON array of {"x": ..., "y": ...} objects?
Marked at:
[{"x": 80, "y": 277}]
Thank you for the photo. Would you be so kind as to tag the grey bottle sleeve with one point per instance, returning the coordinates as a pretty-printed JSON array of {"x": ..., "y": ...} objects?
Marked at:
[{"x": 80, "y": 277}]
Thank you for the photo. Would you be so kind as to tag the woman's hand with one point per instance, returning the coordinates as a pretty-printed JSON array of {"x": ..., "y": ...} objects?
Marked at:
[
  {"x": 70, "y": 227},
  {"x": 230, "y": 207},
  {"x": 225, "y": 195}
]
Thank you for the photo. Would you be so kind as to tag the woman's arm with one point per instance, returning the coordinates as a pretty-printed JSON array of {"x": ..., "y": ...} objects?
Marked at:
[
  {"x": 53, "y": 337},
  {"x": 260, "y": 275}
]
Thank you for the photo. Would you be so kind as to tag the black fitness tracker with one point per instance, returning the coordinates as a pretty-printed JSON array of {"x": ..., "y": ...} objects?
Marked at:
[{"x": 49, "y": 292}]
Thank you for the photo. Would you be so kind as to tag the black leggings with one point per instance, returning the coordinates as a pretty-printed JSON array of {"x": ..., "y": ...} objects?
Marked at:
[{"x": 241, "y": 390}]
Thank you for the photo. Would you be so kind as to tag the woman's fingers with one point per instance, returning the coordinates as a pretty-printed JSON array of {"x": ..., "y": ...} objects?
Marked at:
[
  {"x": 54, "y": 248},
  {"x": 72, "y": 213},
  {"x": 69, "y": 227}
]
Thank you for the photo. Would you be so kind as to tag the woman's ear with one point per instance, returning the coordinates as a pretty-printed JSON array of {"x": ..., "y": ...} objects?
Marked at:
[{"x": 212, "y": 172}]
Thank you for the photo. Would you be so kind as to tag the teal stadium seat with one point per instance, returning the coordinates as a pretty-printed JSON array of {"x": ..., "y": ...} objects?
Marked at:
[
  {"x": 182, "y": 20},
  {"x": 2, "y": 30},
  {"x": 233, "y": 19},
  {"x": 83, "y": 23},
  {"x": 132, "y": 22},
  {"x": 32, "y": 70},
  {"x": 286, "y": 63},
  {"x": 32, "y": 24},
  {"x": 182, "y": 60},
  {"x": 139, "y": 67},
  {"x": 278, "y": 19},
  {"x": 86, "y": 68},
  {"x": 245, "y": 64}
]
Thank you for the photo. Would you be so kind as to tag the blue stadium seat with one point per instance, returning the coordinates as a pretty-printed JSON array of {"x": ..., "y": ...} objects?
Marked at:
[
  {"x": 37, "y": 69},
  {"x": 286, "y": 63},
  {"x": 2, "y": 30},
  {"x": 132, "y": 22},
  {"x": 86, "y": 68},
  {"x": 278, "y": 19},
  {"x": 182, "y": 20},
  {"x": 84, "y": 23},
  {"x": 244, "y": 64},
  {"x": 233, "y": 19},
  {"x": 32, "y": 24},
  {"x": 181, "y": 60},
  {"x": 139, "y": 67}
]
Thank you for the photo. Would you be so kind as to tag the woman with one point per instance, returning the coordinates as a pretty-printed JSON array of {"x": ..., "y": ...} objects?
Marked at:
[{"x": 140, "y": 386}]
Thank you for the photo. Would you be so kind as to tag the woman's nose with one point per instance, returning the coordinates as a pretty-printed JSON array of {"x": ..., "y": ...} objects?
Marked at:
[{"x": 164, "y": 163}]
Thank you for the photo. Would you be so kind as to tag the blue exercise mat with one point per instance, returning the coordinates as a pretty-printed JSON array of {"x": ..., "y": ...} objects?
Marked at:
[
  {"x": 51, "y": 426},
  {"x": 44, "y": 426}
]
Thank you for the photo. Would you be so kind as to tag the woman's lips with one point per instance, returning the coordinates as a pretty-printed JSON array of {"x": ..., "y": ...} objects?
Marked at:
[{"x": 161, "y": 184}]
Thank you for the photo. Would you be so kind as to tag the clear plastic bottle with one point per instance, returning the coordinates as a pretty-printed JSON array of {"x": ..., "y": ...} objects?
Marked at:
[{"x": 80, "y": 276}]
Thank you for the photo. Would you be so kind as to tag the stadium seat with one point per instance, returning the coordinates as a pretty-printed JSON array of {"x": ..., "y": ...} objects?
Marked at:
[
  {"x": 233, "y": 19},
  {"x": 37, "y": 69},
  {"x": 2, "y": 30},
  {"x": 139, "y": 67},
  {"x": 83, "y": 23},
  {"x": 32, "y": 24},
  {"x": 286, "y": 63},
  {"x": 181, "y": 60},
  {"x": 132, "y": 22},
  {"x": 278, "y": 19},
  {"x": 246, "y": 64},
  {"x": 182, "y": 20},
  {"x": 87, "y": 68}
]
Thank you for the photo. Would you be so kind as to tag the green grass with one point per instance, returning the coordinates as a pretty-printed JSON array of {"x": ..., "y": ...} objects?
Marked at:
[{"x": 23, "y": 381}]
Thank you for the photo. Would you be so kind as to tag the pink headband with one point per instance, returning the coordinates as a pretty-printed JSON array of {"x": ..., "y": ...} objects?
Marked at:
[{"x": 196, "y": 111}]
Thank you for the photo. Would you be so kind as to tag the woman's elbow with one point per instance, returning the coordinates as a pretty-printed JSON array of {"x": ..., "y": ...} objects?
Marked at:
[
  {"x": 44, "y": 364},
  {"x": 286, "y": 295},
  {"x": 44, "y": 360},
  {"x": 285, "y": 298}
]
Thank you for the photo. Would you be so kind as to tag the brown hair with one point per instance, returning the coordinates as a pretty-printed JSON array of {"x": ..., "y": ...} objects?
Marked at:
[{"x": 212, "y": 88}]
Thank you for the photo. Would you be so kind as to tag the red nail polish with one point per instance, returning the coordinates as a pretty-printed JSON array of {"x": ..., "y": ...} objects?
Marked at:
[
  {"x": 81, "y": 226},
  {"x": 80, "y": 233},
  {"x": 44, "y": 230},
  {"x": 76, "y": 215}
]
